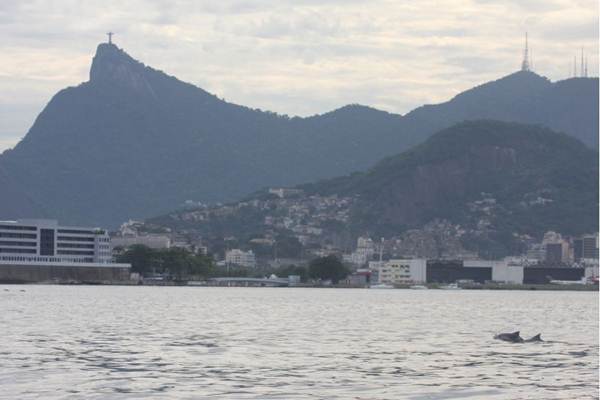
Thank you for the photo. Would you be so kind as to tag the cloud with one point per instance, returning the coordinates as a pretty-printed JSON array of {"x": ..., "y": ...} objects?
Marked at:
[{"x": 296, "y": 57}]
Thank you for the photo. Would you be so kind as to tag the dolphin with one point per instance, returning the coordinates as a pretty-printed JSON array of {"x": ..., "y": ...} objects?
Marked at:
[
  {"x": 536, "y": 338},
  {"x": 514, "y": 337}
]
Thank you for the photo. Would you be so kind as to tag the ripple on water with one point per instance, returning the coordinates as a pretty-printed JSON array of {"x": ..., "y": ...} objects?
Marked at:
[{"x": 297, "y": 343}]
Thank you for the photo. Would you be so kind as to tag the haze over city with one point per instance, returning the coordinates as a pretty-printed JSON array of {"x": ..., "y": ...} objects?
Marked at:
[{"x": 296, "y": 58}]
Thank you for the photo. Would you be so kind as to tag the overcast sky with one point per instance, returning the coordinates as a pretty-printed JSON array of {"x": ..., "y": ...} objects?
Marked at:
[{"x": 296, "y": 57}]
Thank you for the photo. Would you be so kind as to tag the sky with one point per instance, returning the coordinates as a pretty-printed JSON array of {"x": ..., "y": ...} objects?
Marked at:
[{"x": 295, "y": 57}]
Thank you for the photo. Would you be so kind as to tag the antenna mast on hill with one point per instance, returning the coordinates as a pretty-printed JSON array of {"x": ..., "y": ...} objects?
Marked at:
[
  {"x": 531, "y": 59},
  {"x": 110, "y": 34},
  {"x": 525, "y": 63}
]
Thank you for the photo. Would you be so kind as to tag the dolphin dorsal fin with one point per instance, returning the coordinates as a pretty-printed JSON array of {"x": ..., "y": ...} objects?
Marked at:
[
  {"x": 537, "y": 337},
  {"x": 517, "y": 333}
]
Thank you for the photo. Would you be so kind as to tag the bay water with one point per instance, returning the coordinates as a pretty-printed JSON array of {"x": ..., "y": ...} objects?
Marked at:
[{"x": 111, "y": 342}]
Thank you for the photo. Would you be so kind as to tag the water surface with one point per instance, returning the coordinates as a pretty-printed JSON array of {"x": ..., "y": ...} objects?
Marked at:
[{"x": 99, "y": 342}]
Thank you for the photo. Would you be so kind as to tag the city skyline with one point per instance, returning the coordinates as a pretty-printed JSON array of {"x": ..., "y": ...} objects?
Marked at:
[{"x": 292, "y": 58}]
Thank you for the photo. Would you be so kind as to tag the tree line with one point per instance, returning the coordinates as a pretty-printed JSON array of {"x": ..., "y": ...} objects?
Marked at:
[{"x": 182, "y": 264}]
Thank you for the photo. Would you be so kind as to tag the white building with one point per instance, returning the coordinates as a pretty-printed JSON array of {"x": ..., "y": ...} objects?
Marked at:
[
  {"x": 43, "y": 242},
  {"x": 284, "y": 192},
  {"x": 502, "y": 271},
  {"x": 242, "y": 258},
  {"x": 365, "y": 248},
  {"x": 359, "y": 257},
  {"x": 402, "y": 271},
  {"x": 152, "y": 241}
]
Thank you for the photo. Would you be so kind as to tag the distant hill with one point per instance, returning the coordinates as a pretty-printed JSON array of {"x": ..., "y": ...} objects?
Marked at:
[
  {"x": 134, "y": 142},
  {"x": 500, "y": 183},
  {"x": 539, "y": 180}
]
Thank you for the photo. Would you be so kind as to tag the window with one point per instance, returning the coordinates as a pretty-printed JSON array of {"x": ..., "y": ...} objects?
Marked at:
[
  {"x": 18, "y": 235},
  {"x": 46, "y": 242},
  {"x": 75, "y": 245},
  {"x": 75, "y": 252},
  {"x": 21, "y": 244},
  {"x": 8, "y": 250},
  {"x": 76, "y": 231},
  {"x": 18, "y": 228},
  {"x": 75, "y": 239}
]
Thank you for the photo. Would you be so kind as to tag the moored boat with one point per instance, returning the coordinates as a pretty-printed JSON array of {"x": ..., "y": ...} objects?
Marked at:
[
  {"x": 419, "y": 287},
  {"x": 451, "y": 286},
  {"x": 381, "y": 286}
]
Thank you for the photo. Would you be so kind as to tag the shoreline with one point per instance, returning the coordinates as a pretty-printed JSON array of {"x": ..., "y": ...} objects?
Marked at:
[{"x": 435, "y": 287}]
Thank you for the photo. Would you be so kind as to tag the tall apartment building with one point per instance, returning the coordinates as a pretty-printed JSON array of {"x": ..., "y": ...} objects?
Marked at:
[
  {"x": 556, "y": 252},
  {"x": 586, "y": 247}
]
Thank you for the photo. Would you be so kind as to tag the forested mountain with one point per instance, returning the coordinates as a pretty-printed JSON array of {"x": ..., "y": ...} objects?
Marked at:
[
  {"x": 494, "y": 186},
  {"x": 134, "y": 142},
  {"x": 518, "y": 178}
]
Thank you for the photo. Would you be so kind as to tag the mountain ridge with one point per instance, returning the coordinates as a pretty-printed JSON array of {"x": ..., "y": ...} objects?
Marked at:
[{"x": 133, "y": 142}]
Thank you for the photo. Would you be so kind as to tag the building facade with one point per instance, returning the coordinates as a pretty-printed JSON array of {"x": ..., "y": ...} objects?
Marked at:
[
  {"x": 34, "y": 248},
  {"x": 154, "y": 241},
  {"x": 241, "y": 258},
  {"x": 402, "y": 271},
  {"x": 554, "y": 253},
  {"x": 365, "y": 249},
  {"x": 590, "y": 247},
  {"x": 502, "y": 271},
  {"x": 450, "y": 271},
  {"x": 42, "y": 240}
]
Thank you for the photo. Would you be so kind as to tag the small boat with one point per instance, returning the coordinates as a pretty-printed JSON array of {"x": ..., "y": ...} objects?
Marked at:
[
  {"x": 381, "y": 286},
  {"x": 419, "y": 287},
  {"x": 451, "y": 286}
]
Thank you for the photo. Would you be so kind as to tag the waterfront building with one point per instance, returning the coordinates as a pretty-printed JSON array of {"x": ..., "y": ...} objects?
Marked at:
[
  {"x": 241, "y": 258},
  {"x": 42, "y": 240},
  {"x": 544, "y": 275},
  {"x": 402, "y": 271},
  {"x": 34, "y": 248},
  {"x": 450, "y": 271},
  {"x": 509, "y": 271},
  {"x": 505, "y": 271}
]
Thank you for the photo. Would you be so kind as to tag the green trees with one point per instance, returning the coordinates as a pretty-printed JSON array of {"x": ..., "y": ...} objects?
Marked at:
[
  {"x": 179, "y": 263},
  {"x": 141, "y": 258},
  {"x": 288, "y": 246},
  {"x": 329, "y": 267}
]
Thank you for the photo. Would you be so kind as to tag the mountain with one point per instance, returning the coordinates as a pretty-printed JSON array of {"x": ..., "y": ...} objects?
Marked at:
[
  {"x": 133, "y": 141},
  {"x": 529, "y": 178},
  {"x": 494, "y": 184},
  {"x": 569, "y": 106}
]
